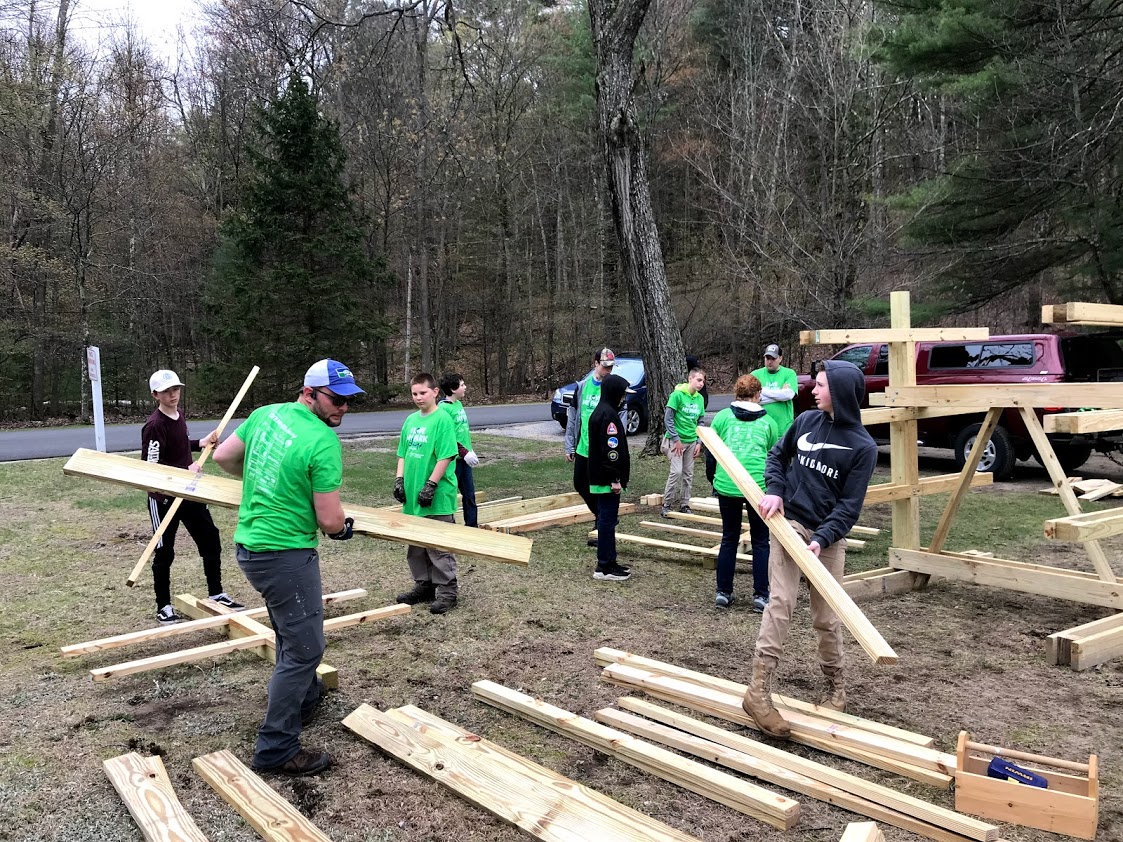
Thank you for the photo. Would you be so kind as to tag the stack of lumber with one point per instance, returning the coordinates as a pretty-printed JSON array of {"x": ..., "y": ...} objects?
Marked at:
[
  {"x": 1086, "y": 646},
  {"x": 874, "y": 744},
  {"x": 552, "y": 517},
  {"x": 517, "y": 506},
  {"x": 1090, "y": 489},
  {"x": 533, "y": 798},
  {"x": 767, "y": 806}
]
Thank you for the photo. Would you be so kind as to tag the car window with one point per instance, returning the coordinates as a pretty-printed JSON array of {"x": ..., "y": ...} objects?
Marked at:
[
  {"x": 881, "y": 367},
  {"x": 859, "y": 355},
  {"x": 631, "y": 370},
  {"x": 981, "y": 355}
]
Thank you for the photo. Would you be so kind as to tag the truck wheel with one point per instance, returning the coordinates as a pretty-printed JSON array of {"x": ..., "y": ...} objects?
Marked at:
[
  {"x": 1071, "y": 456},
  {"x": 998, "y": 457},
  {"x": 635, "y": 420}
]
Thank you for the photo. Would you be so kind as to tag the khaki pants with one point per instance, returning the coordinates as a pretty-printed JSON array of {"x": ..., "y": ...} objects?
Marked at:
[
  {"x": 783, "y": 581},
  {"x": 680, "y": 481},
  {"x": 432, "y": 565}
]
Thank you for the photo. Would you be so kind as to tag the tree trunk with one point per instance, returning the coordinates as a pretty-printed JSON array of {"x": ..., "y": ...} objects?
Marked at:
[{"x": 615, "y": 26}]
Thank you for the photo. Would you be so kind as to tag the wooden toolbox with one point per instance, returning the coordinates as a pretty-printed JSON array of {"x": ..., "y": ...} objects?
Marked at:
[{"x": 1069, "y": 805}]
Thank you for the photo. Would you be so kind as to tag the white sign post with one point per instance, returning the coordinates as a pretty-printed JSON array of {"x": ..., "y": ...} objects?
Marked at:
[{"x": 93, "y": 366}]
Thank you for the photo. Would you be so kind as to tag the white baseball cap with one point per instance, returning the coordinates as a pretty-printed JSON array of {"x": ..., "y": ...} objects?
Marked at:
[{"x": 163, "y": 379}]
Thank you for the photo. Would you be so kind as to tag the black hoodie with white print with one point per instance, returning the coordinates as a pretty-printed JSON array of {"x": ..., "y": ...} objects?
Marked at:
[{"x": 822, "y": 466}]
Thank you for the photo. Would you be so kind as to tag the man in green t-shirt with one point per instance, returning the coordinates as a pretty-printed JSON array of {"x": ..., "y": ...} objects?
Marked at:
[
  {"x": 291, "y": 464},
  {"x": 685, "y": 408},
  {"x": 778, "y": 387},
  {"x": 425, "y": 486}
]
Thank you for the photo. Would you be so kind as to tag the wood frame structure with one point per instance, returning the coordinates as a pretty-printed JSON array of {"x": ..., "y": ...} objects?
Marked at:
[{"x": 911, "y": 564}]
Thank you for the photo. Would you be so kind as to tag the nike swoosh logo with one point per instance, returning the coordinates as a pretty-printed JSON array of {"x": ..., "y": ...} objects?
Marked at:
[{"x": 807, "y": 447}]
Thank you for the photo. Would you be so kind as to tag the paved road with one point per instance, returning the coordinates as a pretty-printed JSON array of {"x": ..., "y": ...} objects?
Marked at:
[{"x": 40, "y": 443}]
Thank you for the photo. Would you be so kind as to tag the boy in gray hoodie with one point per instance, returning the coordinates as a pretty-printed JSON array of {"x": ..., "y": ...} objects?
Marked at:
[{"x": 816, "y": 477}]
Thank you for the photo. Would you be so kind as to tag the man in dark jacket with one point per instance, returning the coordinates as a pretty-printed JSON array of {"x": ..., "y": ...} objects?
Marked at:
[
  {"x": 609, "y": 468},
  {"x": 816, "y": 477}
]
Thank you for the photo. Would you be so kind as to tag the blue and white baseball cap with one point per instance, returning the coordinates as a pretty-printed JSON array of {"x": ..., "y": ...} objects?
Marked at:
[
  {"x": 334, "y": 375},
  {"x": 163, "y": 379}
]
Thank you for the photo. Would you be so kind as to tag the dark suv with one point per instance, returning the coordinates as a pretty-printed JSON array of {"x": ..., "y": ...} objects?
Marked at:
[
  {"x": 1023, "y": 358},
  {"x": 628, "y": 366}
]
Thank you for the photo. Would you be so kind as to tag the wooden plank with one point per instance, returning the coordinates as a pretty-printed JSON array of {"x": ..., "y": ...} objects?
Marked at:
[
  {"x": 951, "y": 509},
  {"x": 1057, "y": 474},
  {"x": 1108, "y": 489},
  {"x": 1095, "y": 395},
  {"x": 864, "y": 530},
  {"x": 1083, "y": 313},
  {"x": 894, "y": 334},
  {"x": 862, "y": 832},
  {"x": 184, "y": 656},
  {"x": 802, "y": 725},
  {"x": 605, "y": 656},
  {"x": 651, "y": 500},
  {"x": 1075, "y": 423},
  {"x": 710, "y": 552},
  {"x": 999, "y": 573},
  {"x": 211, "y": 622},
  {"x": 903, "y": 460},
  {"x": 531, "y": 797},
  {"x": 769, "y": 807},
  {"x": 221, "y": 491},
  {"x": 876, "y": 415},
  {"x": 1092, "y": 650},
  {"x": 1086, "y": 526},
  {"x": 556, "y": 517},
  {"x": 491, "y": 512},
  {"x": 362, "y": 617},
  {"x": 807, "y": 777},
  {"x": 693, "y": 518},
  {"x": 144, "y": 786},
  {"x": 889, "y": 581},
  {"x": 274, "y": 818},
  {"x": 868, "y": 637},
  {"x": 682, "y": 530},
  {"x": 887, "y": 491}
]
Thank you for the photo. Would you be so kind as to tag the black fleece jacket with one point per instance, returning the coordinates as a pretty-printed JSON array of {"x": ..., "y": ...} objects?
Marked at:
[
  {"x": 608, "y": 441},
  {"x": 822, "y": 466}
]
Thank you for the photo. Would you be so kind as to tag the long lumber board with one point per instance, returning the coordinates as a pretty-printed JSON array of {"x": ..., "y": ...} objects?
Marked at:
[
  {"x": 694, "y": 549},
  {"x": 1076, "y": 423},
  {"x": 221, "y": 491},
  {"x": 1071, "y": 585},
  {"x": 1093, "y": 395},
  {"x": 146, "y": 789},
  {"x": 210, "y": 622},
  {"x": 884, "y": 580},
  {"x": 529, "y": 796},
  {"x": 868, "y": 637},
  {"x": 604, "y": 656},
  {"x": 807, "y": 777},
  {"x": 1083, "y": 313},
  {"x": 769, "y": 807},
  {"x": 554, "y": 517},
  {"x": 1057, "y": 645},
  {"x": 491, "y": 512},
  {"x": 801, "y": 724},
  {"x": 1086, "y": 526},
  {"x": 274, "y": 818},
  {"x": 851, "y": 336}
]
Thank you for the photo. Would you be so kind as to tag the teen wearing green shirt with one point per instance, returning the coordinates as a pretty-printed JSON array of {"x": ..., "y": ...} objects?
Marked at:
[
  {"x": 778, "y": 386},
  {"x": 424, "y": 486},
  {"x": 685, "y": 408},
  {"x": 453, "y": 388}
]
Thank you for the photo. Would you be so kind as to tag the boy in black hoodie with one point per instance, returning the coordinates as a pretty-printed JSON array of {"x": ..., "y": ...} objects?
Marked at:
[
  {"x": 816, "y": 477},
  {"x": 609, "y": 467}
]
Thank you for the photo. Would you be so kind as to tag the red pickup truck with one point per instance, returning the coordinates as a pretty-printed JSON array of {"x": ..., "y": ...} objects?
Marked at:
[{"x": 1022, "y": 358}]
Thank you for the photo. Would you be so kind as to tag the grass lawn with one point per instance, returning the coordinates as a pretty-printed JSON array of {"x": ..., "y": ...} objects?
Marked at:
[{"x": 970, "y": 658}]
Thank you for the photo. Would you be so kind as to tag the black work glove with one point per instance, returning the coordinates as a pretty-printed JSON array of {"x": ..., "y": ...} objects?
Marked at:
[
  {"x": 400, "y": 489},
  {"x": 346, "y": 533},
  {"x": 425, "y": 498}
]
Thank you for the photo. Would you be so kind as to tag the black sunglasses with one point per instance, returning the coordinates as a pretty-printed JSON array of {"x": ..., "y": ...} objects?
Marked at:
[{"x": 336, "y": 400}]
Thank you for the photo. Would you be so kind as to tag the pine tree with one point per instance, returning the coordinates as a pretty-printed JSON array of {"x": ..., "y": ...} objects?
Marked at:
[{"x": 293, "y": 281}]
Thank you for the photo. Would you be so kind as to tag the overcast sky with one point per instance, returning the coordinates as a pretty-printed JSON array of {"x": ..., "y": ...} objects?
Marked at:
[{"x": 157, "y": 20}]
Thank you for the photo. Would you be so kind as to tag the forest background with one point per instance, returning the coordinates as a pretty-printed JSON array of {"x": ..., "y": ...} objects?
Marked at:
[{"x": 421, "y": 185}]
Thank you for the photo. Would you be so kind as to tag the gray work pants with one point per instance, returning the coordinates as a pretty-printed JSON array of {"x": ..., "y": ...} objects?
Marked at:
[
  {"x": 435, "y": 566},
  {"x": 289, "y": 581}
]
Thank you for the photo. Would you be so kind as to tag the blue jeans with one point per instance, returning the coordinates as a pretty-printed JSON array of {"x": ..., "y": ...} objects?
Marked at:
[
  {"x": 731, "y": 508},
  {"x": 289, "y": 580},
  {"x": 466, "y": 484},
  {"x": 608, "y": 515}
]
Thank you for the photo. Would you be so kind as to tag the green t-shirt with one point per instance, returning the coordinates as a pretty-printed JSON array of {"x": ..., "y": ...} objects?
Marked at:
[
  {"x": 425, "y": 441},
  {"x": 290, "y": 454},
  {"x": 750, "y": 442},
  {"x": 455, "y": 409},
  {"x": 590, "y": 397},
  {"x": 782, "y": 412},
  {"x": 688, "y": 410}
]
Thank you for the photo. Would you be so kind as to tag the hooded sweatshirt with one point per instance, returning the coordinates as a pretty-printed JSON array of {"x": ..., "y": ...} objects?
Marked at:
[
  {"x": 750, "y": 433},
  {"x": 822, "y": 466},
  {"x": 608, "y": 442}
]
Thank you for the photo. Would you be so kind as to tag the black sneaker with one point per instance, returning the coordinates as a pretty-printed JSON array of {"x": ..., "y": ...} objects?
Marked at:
[
  {"x": 612, "y": 573},
  {"x": 686, "y": 510},
  {"x": 167, "y": 615},
  {"x": 442, "y": 604},
  {"x": 591, "y": 542},
  {"x": 304, "y": 762},
  {"x": 724, "y": 600},
  {"x": 225, "y": 600},
  {"x": 422, "y": 592}
]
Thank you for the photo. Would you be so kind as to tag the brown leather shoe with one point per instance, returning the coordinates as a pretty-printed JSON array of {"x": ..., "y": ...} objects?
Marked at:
[{"x": 303, "y": 763}]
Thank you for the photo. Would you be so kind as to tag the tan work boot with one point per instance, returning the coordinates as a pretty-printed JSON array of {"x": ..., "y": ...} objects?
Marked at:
[
  {"x": 758, "y": 701},
  {"x": 835, "y": 697}
]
